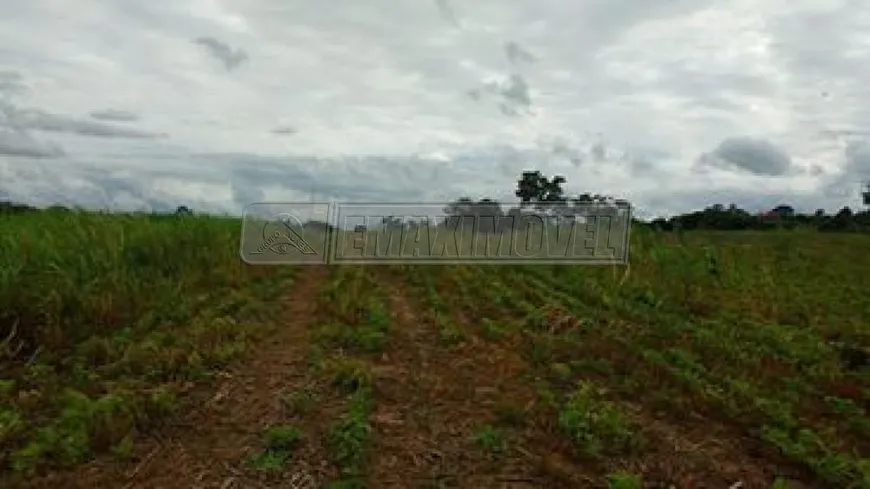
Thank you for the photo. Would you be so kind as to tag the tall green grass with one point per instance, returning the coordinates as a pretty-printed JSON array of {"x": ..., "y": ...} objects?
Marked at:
[{"x": 107, "y": 316}]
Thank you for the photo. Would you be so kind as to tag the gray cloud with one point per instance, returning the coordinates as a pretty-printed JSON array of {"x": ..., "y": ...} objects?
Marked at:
[
  {"x": 756, "y": 156},
  {"x": 513, "y": 92},
  {"x": 516, "y": 54},
  {"x": 508, "y": 110},
  {"x": 91, "y": 187},
  {"x": 246, "y": 192},
  {"x": 114, "y": 115},
  {"x": 844, "y": 133},
  {"x": 562, "y": 148},
  {"x": 23, "y": 120},
  {"x": 11, "y": 83},
  {"x": 231, "y": 58},
  {"x": 516, "y": 91},
  {"x": 855, "y": 173},
  {"x": 284, "y": 130},
  {"x": 35, "y": 119},
  {"x": 599, "y": 151},
  {"x": 447, "y": 12},
  {"x": 19, "y": 143},
  {"x": 858, "y": 161},
  {"x": 379, "y": 178},
  {"x": 200, "y": 181}
]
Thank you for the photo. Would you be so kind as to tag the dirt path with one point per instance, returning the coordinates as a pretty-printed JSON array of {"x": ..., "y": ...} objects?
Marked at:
[
  {"x": 207, "y": 446},
  {"x": 431, "y": 399}
]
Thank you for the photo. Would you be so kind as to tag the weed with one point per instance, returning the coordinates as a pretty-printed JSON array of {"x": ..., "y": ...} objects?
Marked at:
[
  {"x": 595, "y": 425},
  {"x": 780, "y": 483},
  {"x": 282, "y": 438},
  {"x": 490, "y": 439},
  {"x": 623, "y": 480},
  {"x": 348, "y": 437},
  {"x": 365, "y": 336},
  {"x": 561, "y": 370},
  {"x": 83, "y": 423},
  {"x": 348, "y": 373},
  {"x": 279, "y": 442},
  {"x": 124, "y": 449},
  {"x": 300, "y": 402},
  {"x": 492, "y": 329},
  {"x": 268, "y": 461}
]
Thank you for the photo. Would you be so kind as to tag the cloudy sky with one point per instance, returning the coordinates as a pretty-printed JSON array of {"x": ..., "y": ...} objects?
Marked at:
[{"x": 214, "y": 104}]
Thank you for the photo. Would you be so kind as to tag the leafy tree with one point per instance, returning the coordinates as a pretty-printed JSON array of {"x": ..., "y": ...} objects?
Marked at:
[
  {"x": 546, "y": 195},
  {"x": 531, "y": 187}
]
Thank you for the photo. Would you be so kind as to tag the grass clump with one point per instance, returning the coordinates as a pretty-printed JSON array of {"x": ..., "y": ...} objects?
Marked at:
[
  {"x": 596, "y": 426},
  {"x": 490, "y": 439},
  {"x": 348, "y": 438},
  {"x": 280, "y": 441},
  {"x": 624, "y": 480}
]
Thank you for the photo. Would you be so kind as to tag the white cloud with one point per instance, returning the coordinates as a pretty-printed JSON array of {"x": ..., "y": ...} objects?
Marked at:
[{"x": 622, "y": 97}]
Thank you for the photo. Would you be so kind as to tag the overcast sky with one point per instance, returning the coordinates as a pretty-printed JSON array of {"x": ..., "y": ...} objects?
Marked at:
[{"x": 214, "y": 104}]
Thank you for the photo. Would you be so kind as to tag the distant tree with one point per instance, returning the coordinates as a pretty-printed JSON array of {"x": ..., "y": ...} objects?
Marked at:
[
  {"x": 531, "y": 187},
  {"x": 545, "y": 195},
  {"x": 535, "y": 189},
  {"x": 13, "y": 208},
  {"x": 661, "y": 224},
  {"x": 784, "y": 211},
  {"x": 842, "y": 221},
  {"x": 541, "y": 193},
  {"x": 486, "y": 214},
  {"x": 553, "y": 191},
  {"x": 183, "y": 210}
]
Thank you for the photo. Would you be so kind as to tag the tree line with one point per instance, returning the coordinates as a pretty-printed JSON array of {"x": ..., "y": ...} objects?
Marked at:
[
  {"x": 546, "y": 196},
  {"x": 539, "y": 193}
]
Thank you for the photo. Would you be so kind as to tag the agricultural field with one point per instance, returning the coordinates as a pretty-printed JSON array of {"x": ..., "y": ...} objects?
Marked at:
[{"x": 141, "y": 352}]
